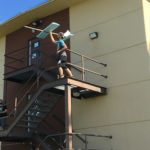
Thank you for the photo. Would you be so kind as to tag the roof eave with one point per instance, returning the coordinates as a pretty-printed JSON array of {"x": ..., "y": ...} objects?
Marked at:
[{"x": 41, "y": 11}]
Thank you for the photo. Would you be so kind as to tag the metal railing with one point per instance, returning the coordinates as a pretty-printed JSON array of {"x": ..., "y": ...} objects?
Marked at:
[
  {"x": 27, "y": 86},
  {"x": 20, "y": 98},
  {"x": 56, "y": 131},
  {"x": 23, "y": 59},
  {"x": 84, "y": 140},
  {"x": 17, "y": 104},
  {"x": 14, "y": 62},
  {"x": 82, "y": 67}
]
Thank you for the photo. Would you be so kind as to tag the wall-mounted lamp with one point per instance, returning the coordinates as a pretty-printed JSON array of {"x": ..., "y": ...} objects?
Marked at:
[
  {"x": 93, "y": 35},
  {"x": 76, "y": 92},
  {"x": 33, "y": 31},
  {"x": 37, "y": 23}
]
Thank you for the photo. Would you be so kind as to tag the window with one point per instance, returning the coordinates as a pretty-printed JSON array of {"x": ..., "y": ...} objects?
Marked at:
[
  {"x": 35, "y": 54},
  {"x": 36, "y": 44}
]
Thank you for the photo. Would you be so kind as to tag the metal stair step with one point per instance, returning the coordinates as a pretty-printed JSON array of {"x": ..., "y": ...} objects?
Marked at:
[
  {"x": 31, "y": 121},
  {"x": 40, "y": 117},
  {"x": 42, "y": 105},
  {"x": 52, "y": 142},
  {"x": 43, "y": 98},
  {"x": 53, "y": 92},
  {"x": 25, "y": 126},
  {"x": 38, "y": 110},
  {"x": 49, "y": 77},
  {"x": 51, "y": 103},
  {"x": 43, "y": 102},
  {"x": 23, "y": 113}
]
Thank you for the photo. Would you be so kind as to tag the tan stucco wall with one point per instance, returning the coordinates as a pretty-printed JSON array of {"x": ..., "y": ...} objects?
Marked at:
[
  {"x": 2, "y": 52},
  {"x": 124, "y": 113}
]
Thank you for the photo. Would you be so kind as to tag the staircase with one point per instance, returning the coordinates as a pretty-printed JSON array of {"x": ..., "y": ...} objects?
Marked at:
[
  {"x": 41, "y": 103},
  {"x": 37, "y": 111},
  {"x": 39, "y": 100},
  {"x": 48, "y": 143}
]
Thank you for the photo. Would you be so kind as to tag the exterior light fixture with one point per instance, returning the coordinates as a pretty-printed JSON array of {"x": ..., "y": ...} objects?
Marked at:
[
  {"x": 33, "y": 31},
  {"x": 93, "y": 35},
  {"x": 76, "y": 94},
  {"x": 37, "y": 23}
]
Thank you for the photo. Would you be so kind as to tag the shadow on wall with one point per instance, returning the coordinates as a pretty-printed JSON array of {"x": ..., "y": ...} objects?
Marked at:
[{"x": 148, "y": 0}]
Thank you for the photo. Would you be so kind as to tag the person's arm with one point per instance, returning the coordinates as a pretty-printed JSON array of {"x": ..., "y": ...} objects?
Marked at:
[
  {"x": 64, "y": 48},
  {"x": 52, "y": 38},
  {"x": 5, "y": 111}
]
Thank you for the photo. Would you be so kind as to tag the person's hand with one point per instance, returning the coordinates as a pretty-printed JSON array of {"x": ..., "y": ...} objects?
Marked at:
[{"x": 57, "y": 52}]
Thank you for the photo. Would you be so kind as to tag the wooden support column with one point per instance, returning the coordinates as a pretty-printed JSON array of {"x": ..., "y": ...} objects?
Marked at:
[
  {"x": 5, "y": 92},
  {"x": 68, "y": 116}
]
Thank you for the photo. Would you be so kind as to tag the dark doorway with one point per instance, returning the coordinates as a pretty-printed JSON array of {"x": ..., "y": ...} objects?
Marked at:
[{"x": 34, "y": 52}]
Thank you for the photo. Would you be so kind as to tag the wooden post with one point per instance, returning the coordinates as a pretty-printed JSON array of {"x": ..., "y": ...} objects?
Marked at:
[
  {"x": 68, "y": 116},
  {"x": 83, "y": 70},
  {"x": 40, "y": 30},
  {"x": 15, "y": 105}
]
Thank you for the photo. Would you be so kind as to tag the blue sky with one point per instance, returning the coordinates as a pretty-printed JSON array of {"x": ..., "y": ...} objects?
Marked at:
[{"x": 12, "y": 8}]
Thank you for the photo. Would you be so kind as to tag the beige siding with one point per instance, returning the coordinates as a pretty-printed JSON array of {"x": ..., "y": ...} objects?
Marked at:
[
  {"x": 2, "y": 52},
  {"x": 124, "y": 113},
  {"x": 93, "y": 12},
  {"x": 115, "y": 35}
]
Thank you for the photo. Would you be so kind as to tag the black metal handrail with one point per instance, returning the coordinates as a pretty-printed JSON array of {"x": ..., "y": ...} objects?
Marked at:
[
  {"x": 60, "y": 121},
  {"x": 30, "y": 79},
  {"x": 77, "y": 134},
  {"x": 25, "y": 94},
  {"x": 16, "y": 51},
  {"x": 21, "y": 59},
  {"x": 20, "y": 90},
  {"x": 14, "y": 111},
  {"x": 16, "y": 59}
]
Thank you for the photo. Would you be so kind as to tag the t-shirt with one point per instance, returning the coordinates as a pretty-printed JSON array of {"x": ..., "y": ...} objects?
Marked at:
[
  {"x": 3, "y": 108},
  {"x": 60, "y": 45}
]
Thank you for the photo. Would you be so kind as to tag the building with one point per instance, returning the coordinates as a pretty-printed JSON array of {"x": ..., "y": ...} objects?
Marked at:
[{"x": 123, "y": 43}]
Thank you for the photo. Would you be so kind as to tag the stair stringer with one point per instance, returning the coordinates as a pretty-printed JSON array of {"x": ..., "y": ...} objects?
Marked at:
[
  {"x": 42, "y": 88},
  {"x": 42, "y": 73}
]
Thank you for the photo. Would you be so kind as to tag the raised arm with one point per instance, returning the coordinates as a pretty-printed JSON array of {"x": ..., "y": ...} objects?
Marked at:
[{"x": 52, "y": 38}]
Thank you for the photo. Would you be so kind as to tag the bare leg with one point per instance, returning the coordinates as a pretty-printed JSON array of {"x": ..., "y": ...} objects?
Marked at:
[
  {"x": 68, "y": 72},
  {"x": 61, "y": 72}
]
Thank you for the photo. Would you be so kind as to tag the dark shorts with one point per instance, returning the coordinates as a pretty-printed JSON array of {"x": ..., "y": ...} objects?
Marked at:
[{"x": 62, "y": 61}]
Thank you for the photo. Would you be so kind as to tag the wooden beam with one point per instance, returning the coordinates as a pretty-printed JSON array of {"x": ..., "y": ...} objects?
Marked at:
[
  {"x": 68, "y": 116},
  {"x": 84, "y": 85}
]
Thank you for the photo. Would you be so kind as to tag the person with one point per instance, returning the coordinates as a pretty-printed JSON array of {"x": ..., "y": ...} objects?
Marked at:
[
  {"x": 61, "y": 54},
  {"x": 3, "y": 114}
]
